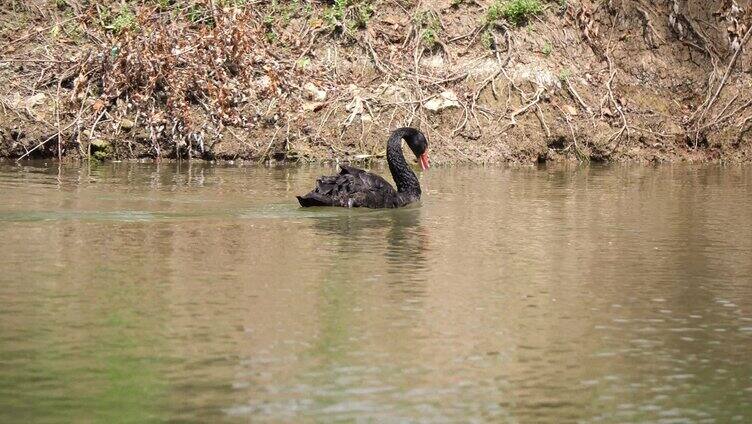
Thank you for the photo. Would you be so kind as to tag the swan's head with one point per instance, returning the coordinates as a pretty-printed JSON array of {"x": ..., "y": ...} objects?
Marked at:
[{"x": 418, "y": 143}]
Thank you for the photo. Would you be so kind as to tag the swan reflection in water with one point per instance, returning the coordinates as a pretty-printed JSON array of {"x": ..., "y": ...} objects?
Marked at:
[{"x": 365, "y": 243}]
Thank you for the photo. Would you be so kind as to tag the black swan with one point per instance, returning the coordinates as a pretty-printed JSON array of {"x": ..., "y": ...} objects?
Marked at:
[{"x": 356, "y": 188}]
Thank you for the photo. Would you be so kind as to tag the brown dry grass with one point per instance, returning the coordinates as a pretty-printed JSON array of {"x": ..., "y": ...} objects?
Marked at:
[{"x": 187, "y": 82}]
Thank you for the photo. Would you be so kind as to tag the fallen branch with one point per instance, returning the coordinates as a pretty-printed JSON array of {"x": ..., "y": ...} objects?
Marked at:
[
  {"x": 522, "y": 110},
  {"x": 625, "y": 126},
  {"x": 45, "y": 141},
  {"x": 91, "y": 132},
  {"x": 576, "y": 96},
  {"x": 722, "y": 119},
  {"x": 705, "y": 107}
]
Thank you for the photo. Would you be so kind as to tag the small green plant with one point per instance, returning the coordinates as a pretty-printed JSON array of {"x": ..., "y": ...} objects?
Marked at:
[
  {"x": 348, "y": 14},
  {"x": 199, "y": 14},
  {"x": 55, "y": 31},
  {"x": 363, "y": 13},
  {"x": 430, "y": 27},
  {"x": 271, "y": 36},
  {"x": 125, "y": 20},
  {"x": 291, "y": 11},
  {"x": 565, "y": 74},
  {"x": 429, "y": 37},
  {"x": 73, "y": 30},
  {"x": 516, "y": 12},
  {"x": 335, "y": 14},
  {"x": 547, "y": 48},
  {"x": 228, "y": 3},
  {"x": 101, "y": 150},
  {"x": 303, "y": 63},
  {"x": 487, "y": 39}
]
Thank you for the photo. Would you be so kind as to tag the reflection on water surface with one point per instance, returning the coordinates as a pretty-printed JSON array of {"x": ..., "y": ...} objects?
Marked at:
[{"x": 137, "y": 292}]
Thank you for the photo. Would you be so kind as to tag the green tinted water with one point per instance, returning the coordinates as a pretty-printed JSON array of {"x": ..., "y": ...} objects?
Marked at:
[{"x": 138, "y": 293}]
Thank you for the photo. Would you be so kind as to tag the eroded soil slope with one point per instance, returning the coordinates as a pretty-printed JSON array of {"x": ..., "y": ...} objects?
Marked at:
[{"x": 566, "y": 80}]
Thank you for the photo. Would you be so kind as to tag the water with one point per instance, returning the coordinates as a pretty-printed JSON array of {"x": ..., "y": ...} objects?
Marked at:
[{"x": 140, "y": 293}]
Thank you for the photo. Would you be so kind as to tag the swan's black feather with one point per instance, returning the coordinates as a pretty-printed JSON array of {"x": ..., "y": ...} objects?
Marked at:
[{"x": 352, "y": 188}]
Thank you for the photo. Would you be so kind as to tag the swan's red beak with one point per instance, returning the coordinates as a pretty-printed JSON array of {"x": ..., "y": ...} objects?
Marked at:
[{"x": 424, "y": 161}]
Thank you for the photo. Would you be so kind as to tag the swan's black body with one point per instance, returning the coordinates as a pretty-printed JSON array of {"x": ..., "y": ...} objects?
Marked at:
[{"x": 354, "y": 188}]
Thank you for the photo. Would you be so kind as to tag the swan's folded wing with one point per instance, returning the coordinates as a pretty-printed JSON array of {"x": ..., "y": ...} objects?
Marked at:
[
  {"x": 374, "y": 191},
  {"x": 352, "y": 187},
  {"x": 373, "y": 182},
  {"x": 351, "y": 170},
  {"x": 360, "y": 181},
  {"x": 327, "y": 185}
]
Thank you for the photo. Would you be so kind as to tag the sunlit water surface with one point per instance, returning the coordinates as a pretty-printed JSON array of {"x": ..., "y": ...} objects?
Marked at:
[{"x": 137, "y": 293}]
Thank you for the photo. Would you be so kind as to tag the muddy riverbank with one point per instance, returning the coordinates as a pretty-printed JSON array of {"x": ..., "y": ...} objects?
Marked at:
[{"x": 488, "y": 81}]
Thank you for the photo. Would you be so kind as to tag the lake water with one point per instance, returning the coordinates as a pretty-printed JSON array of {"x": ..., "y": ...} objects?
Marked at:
[{"x": 191, "y": 293}]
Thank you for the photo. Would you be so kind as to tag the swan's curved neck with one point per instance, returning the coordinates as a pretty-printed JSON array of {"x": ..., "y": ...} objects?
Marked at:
[{"x": 403, "y": 176}]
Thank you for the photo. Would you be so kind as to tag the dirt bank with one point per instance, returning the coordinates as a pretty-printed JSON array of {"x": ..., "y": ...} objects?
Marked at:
[{"x": 488, "y": 81}]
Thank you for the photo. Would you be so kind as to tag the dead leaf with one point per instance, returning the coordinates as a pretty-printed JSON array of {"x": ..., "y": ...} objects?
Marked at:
[{"x": 98, "y": 105}]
